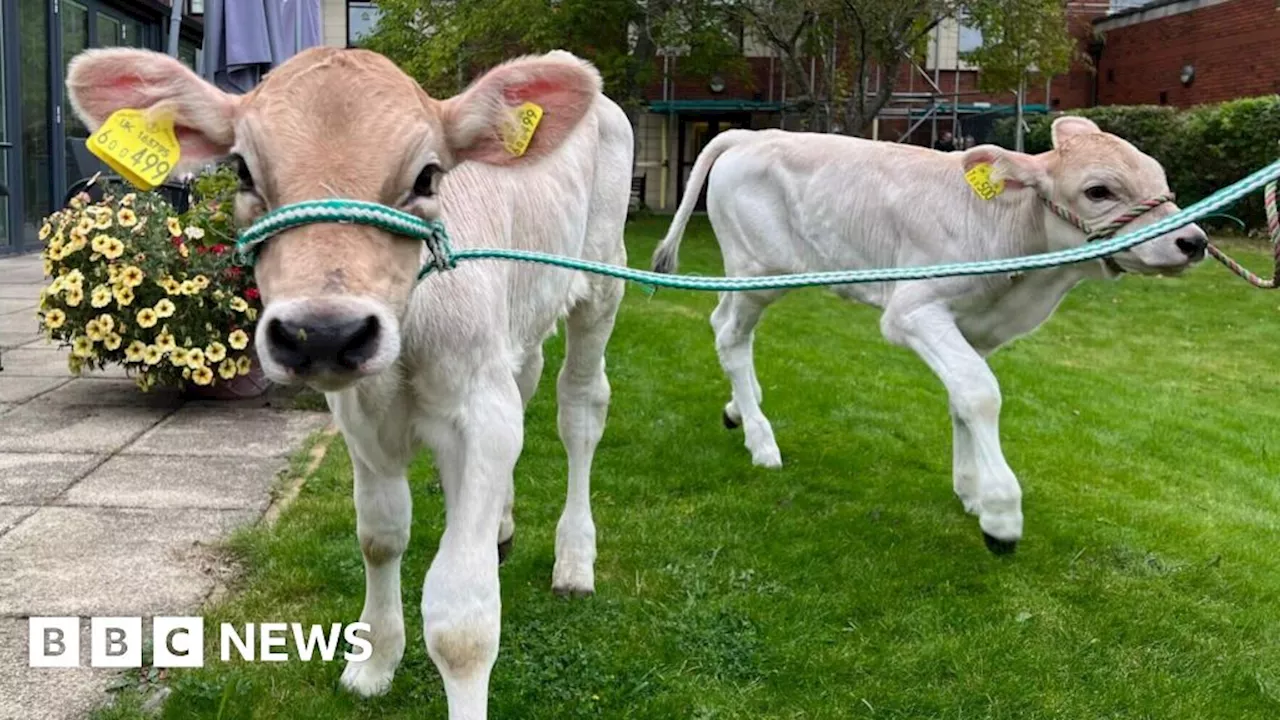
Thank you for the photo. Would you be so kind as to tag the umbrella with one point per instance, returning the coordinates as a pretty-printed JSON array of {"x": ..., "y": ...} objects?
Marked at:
[{"x": 244, "y": 39}]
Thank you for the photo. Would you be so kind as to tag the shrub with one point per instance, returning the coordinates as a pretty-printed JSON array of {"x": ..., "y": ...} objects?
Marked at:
[
  {"x": 1202, "y": 149},
  {"x": 136, "y": 284}
]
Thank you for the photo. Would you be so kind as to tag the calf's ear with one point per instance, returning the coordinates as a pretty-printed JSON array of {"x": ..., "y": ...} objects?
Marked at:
[
  {"x": 477, "y": 120},
  {"x": 1069, "y": 126},
  {"x": 1017, "y": 170},
  {"x": 102, "y": 81}
]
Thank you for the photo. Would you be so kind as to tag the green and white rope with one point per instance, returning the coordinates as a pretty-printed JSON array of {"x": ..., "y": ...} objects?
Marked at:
[{"x": 443, "y": 257}]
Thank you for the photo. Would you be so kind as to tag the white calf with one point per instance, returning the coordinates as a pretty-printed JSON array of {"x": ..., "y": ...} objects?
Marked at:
[
  {"x": 783, "y": 202},
  {"x": 448, "y": 363}
]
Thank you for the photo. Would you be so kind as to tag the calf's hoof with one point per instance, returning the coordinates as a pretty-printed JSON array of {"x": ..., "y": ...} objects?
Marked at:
[
  {"x": 366, "y": 678},
  {"x": 998, "y": 546},
  {"x": 573, "y": 579},
  {"x": 768, "y": 457},
  {"x": 729, "y": 422},
  {"x": 504, "y": 549}
]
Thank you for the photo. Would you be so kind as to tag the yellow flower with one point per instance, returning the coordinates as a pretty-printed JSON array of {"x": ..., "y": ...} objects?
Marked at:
[
  {"x": 215, "y": 351},
  {"x": 227, "y": 369},
  {"x": 113, "y": 250},
  {"x": 104, "y": 220},
  {"x": 78, "y": 241},
  {"x": 186, "y": 373},
  {"x": 136, "y": 351},
  {"x": 175, "y": 227},
  {"x": 146, "y": 318},
  {"x": 101, "y": 296},
  {"x": 218, "y": 294},
  {"x": 195, "y": 233},
  {"x": 145, "y": 381},
  {"x": 165, "y": 341},
  {"x": 252, "y": 314},
  {"x": 82, "y": 347},
  {"x": 195, "y": 357},
  {"x": 127, "y": 200},
  {"x": 53, "y": 252},
  {"x": 113, "y": 341},
  {"x": 106, "y": 322},
  {"x": 189, "y": 288},
  {"x": 84, "y": 226},
  {"x": 74, "y": 296},
  {"x": 202, "y": 375},
  {"x": 124, "y": 296},
  {"x": 243, "y": 364},
  {"x": 54, "y": 319},
  {"x": 201, "y": 282},
  {"x": 45, "y": 230},
  {"x": 171, "y": 286},
  {"x": 94, "y": 330},
  {"x": 48, "y": 267},
  {"x": 131, "y": 276},
  {"x": 152, "y": 355},
  {"x": 239, "y": 305},
  {"x": 238, "y": 340},
  {"x": 100, "y": 242},
  {"x": 178, "y": 357},
  {"x": 126, "y": 218},
  {"x": 182, "y": 250},
  {"x": 74, "y": 364},
  {"x": 75, "y": 277},
  {"x": 165, "y": 308}
]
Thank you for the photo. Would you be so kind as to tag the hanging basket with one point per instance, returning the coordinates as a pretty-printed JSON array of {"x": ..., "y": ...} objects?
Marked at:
[{"x": 241, "y": 387}]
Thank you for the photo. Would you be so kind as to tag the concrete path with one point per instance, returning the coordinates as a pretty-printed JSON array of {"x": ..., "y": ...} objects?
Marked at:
[{"x": 110, "y": 499}]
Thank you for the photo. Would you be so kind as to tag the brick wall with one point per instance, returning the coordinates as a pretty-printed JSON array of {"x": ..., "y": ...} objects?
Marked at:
[{"x": 1233, "y": 45}]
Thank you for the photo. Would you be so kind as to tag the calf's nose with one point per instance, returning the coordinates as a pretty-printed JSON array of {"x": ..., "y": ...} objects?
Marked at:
[
  {"x": 1193, "y": 243},
  {"x": 313, "y": 344}
]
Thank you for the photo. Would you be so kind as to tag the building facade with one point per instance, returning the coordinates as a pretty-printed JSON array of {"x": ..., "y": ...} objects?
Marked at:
[
  {"x": 1189, "y": 52},
  {"x": 42, "y": 151}
]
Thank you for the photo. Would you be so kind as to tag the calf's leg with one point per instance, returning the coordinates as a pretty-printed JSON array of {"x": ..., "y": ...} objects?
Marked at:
[
  {"x": 964, "y": 465},
  {"x": 734, "y": 321},
  {"x": 527, "y": 380},
  {"x": 975, "y": 403},
  {"x": 461, "y": 607},
  {"x": 583, "y": 400},
  {"x": 383, "y": 514}
]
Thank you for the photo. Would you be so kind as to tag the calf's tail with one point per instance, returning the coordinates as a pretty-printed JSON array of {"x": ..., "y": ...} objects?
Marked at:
[{"x": 665, "y": 258}]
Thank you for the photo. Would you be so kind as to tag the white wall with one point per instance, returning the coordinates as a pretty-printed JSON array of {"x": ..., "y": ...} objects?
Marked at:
[{"x": 334, "y": 14}]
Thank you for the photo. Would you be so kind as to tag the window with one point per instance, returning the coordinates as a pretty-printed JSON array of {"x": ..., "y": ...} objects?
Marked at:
[
  {"x": 187, "y": 53},
  {"x": 970, "y": 38},
  {"x": 362, "y": 17}
]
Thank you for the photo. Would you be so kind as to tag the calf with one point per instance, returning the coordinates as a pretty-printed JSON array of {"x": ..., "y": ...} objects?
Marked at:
[
  {"x": 783, "y": 202},
  {"x": 450, "y": 362}
]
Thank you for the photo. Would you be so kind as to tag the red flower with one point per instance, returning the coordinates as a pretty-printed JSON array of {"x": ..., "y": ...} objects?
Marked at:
[
  {"x": 201, "y": 249},
  {"x": 252, "y": 294},
  {"x": 233, "y": 272},
  {"x": 218, "y": 249}
]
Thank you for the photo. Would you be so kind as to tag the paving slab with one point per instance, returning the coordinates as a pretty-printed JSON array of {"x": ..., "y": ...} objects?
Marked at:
[
  {"x": 21, "y": 388},
  {"x": 4, "y": 408},
  {"x": 22, "y": 291},
  {"x": 110, "y": 561},
  {"x": 13, "y": 305},
  {"x": 173, "y": 481},
  {"x": 37, "y": 427},
  {"x": 208, "y": 430},
  {"x": 25, "y": 275},
  {"x": 36, "y": 361},
  {"x": 106, "y": 392},
  {"x": 46, "y": 693},
  {"x": 36, "y": 478},
  {"x": 11, "y": 515},
  {"x": 19, "y": 322},
  {"x": 10, "y": 340}
]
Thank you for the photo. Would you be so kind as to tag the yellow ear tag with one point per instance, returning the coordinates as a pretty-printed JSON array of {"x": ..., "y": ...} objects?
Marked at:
[
  {"x": 144, "y": 150},
  {"x": 979, "y": 177},
  {"x": 517, "y": 135}
]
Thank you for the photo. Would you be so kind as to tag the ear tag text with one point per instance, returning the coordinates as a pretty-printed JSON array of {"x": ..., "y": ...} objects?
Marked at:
[
  {"x": 142, "y": 149},
  {"x": 979, "y": 178},
  {"x": 516, "y": 136}
]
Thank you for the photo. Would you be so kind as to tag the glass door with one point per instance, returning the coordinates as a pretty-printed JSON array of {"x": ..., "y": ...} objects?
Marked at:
[
  {"x": 5, "y": 146},
  {"x": 34, "y": 134}
]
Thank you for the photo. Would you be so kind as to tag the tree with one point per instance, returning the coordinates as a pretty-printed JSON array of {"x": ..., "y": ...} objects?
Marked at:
[
  {"x": 1019, "y": 37},
  {"x": 444, "y": 43}
]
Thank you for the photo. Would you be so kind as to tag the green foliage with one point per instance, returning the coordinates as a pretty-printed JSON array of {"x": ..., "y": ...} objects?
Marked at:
[
  {"x": 1018, "y": 37},
  {"x": 1202, "y": 149}
]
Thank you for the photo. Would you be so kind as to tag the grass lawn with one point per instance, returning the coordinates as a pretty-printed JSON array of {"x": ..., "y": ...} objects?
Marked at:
[{"x": 1144, "y": 424}]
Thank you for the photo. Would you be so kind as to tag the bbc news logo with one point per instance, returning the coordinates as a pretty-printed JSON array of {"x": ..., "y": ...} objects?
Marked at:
[{"x": 177, "y": 642}]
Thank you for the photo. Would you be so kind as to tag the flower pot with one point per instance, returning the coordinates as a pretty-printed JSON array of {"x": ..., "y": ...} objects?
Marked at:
[{"x": 241, "y": 387}]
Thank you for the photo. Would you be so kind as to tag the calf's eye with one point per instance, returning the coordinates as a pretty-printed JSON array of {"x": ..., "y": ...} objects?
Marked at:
[
  {"x": 428, "y": 181},
  {"x": 1098, "y": 193}
]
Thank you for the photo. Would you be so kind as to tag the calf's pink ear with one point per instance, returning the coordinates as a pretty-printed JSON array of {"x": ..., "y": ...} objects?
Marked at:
[
  {"x": 102, "y": 81},
  {"x": 1017, "y": 170},
  {"x": 1069, "y": 126},
  {"x": 563, "y": 85}
]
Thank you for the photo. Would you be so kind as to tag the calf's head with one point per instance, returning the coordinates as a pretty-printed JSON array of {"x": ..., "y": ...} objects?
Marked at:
[
  {"x": 1099, "y": 177},
  {"x": 347, "y": 124}
]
